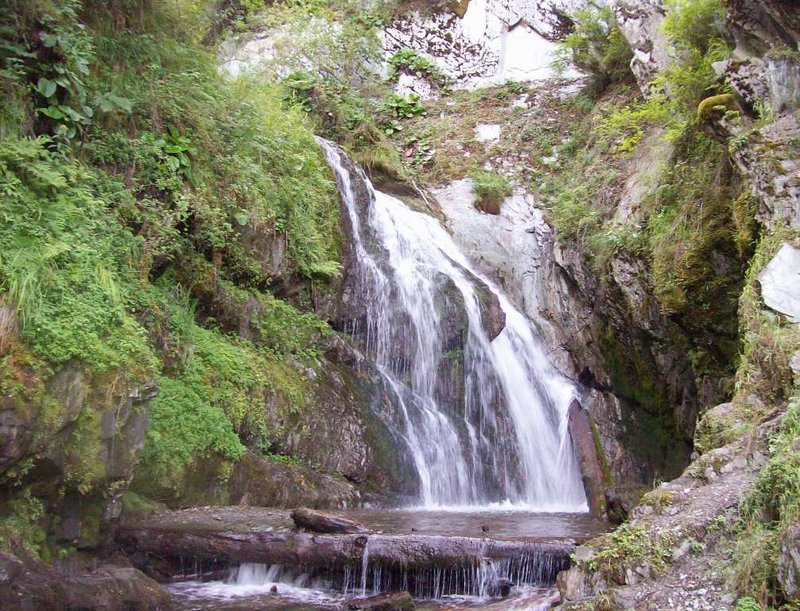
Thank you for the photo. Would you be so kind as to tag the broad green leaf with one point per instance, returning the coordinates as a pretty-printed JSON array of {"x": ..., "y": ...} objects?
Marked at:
[
  {"x": 53, "y": 112},
  {"x": 46, "y": 87}
]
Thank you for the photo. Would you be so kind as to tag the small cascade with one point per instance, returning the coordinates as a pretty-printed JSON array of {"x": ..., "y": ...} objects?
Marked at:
[
  {"x": 473, "y": 577},
  {"x": 484, "y": 416},
  {"x": 365, "y": 569},
  {"x": 478, "y": 577}
]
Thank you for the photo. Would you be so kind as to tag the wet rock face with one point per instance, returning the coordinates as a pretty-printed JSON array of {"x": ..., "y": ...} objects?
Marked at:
[
  {"x": 789, "y": 564},
  {"x": 620, "y": 501},
  {"x": 585, "y": 451},
  {"x": 82, "y": 439},
  {"x": 338, "y": 433},
  {"x": 261, "y": 482},
  {"x": 27, "y": 584}
]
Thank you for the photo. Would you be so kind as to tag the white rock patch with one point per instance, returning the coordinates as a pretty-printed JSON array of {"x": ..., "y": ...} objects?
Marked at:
[
  {"x": 487, "y": 132},
  {"x": 780, "y": 282}
]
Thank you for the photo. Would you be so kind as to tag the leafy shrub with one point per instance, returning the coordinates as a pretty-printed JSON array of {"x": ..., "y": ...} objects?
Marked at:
[
  {"x": 172, "y": 164},
  {"x": 491, "y": 189},
  {"x": 21, "y": 521},
  {"x": 408, "y": 60},
  {"x": 403, "y": 106},
  {"x": 597, "y": 46},
  {"x": 694, "y": 29},
  {"x": 64, "y": 261}
]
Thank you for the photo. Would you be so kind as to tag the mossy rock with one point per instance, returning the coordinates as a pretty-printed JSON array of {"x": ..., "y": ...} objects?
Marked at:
[
  {"x": 718, "y": 427},
  {"x": 716, "y": 106}
]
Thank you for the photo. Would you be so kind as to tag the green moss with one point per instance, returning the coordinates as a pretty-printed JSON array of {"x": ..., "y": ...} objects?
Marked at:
[
  {"x": 651, "y": 431},
  {"x": 745, "y": 208},
  {"x": 22, "y": 522},
  {"x": 84, "y": 465},
  {"x": 608, "y": 479},
  {"x": 715, "y": 106},
  {"x": 714, "y": 431},
  {"x": 133, "y": 503},
  {"x": 185, "y": 428},
  {"x": 632, "y": 375}
]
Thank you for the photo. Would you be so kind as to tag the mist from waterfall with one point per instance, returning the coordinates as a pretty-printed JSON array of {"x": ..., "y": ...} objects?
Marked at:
[{"x": 505, "y": 440}]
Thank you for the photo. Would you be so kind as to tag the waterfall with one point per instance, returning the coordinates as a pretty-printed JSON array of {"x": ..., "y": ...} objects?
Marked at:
[{"x": 484, "y": 420}]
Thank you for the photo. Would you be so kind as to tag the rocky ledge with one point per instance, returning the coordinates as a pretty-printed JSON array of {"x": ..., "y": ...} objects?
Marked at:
[
  {"x": 31, "y": 585},
  {"x": 668, "y": 556}
]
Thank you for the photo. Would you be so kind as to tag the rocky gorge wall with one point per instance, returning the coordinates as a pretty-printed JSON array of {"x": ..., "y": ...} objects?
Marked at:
[
  {"x": 71, "y": 439},
  {"x": 702, "y": 525}
]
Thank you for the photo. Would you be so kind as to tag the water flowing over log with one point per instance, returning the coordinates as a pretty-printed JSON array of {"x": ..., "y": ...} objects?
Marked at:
[{"x": 169, "y": 547}]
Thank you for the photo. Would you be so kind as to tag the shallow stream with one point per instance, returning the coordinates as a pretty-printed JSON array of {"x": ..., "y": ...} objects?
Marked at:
[{"x": 261, "y": 587}]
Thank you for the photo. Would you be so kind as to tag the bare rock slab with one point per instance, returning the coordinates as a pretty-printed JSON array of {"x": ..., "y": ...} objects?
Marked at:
[{"x": 780, "y": 282}]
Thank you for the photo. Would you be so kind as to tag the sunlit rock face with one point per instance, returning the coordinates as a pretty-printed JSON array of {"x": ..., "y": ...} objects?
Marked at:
[
  {"x": 495, "y": 40},
  {"x": 475, "y": 43}
]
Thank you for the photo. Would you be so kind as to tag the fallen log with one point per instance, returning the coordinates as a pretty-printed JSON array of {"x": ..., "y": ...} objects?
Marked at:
[
  {"x": 176, "y": 550},
  {"x": 319, "y": 522}
]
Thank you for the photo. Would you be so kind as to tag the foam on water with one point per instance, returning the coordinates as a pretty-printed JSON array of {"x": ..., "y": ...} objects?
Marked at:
[{"x": 250, "y": 580}]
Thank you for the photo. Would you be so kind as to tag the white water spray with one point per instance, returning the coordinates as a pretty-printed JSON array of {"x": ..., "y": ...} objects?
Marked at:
[{"x": 506, "y": 439}]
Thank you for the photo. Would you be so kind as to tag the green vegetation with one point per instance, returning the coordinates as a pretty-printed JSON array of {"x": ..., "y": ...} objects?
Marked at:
[
  {"x": 716, "y": 105},
  {"x": 491, "y": 189},
  {"x": 409, "y": 61},
  {"x": 20, "y": 524},
  {"x": 597, "y": 46},
  {"x": 329, "y": 49},
  {"x": 696, "y": 214},
  {"x": 143, "y": 197},
  {"x": 628, "y": 547},
  {"x": 694, "y": 30},
  {"x": 768, "y": 513},
  {"x": 768, "y": 342}
]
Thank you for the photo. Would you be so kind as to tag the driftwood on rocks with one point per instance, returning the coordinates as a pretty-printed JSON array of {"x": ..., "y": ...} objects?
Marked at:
[{"x": 318, "y": 522}]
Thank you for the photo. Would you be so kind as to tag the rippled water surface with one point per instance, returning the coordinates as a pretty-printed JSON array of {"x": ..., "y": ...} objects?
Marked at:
[{"x": 497, "y": 522}]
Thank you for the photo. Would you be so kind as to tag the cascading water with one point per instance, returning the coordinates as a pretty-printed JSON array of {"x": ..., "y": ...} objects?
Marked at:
[{"x": 484, "y": 419}]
